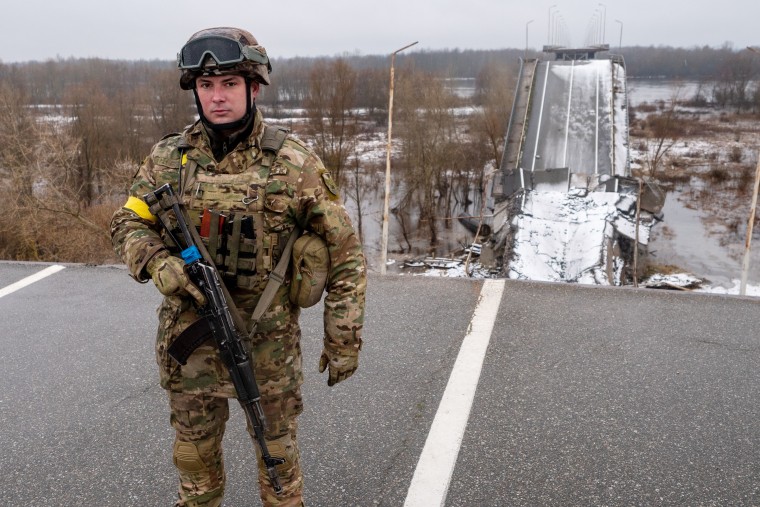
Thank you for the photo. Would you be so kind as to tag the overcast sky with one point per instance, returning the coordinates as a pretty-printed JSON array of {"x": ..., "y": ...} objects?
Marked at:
[{"x": 156, "y": 29}]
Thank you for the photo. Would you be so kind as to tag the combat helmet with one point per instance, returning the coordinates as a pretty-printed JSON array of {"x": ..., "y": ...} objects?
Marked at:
[{"x": 219, "y": 51}]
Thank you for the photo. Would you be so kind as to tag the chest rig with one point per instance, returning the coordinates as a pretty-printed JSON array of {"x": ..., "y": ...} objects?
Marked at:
[{"x": 240, "y": 207}]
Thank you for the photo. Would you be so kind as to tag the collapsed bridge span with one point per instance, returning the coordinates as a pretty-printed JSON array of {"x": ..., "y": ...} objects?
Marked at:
[{"x": 565, "y": 207}]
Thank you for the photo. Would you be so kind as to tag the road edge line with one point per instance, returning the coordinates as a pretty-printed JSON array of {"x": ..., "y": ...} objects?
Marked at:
[{"x": 31, "y": 279}]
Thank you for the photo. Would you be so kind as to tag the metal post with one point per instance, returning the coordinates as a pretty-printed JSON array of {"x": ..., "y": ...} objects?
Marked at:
[
  {"x": 526, "y": 38},
  {"x": 386, "y": 205},
  {"x": 599, "y": 28},
  {"x": 549, "y": 25},
  {"x": 593, "y": 30},
  {"x": 620, "y": 42}
]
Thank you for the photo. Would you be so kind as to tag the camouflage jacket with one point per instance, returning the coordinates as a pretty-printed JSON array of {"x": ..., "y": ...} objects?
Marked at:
[{"x": 260, "y": 202}]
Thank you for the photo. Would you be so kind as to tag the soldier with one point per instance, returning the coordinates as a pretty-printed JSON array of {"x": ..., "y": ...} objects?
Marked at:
[{"x": 246, "y": 186}]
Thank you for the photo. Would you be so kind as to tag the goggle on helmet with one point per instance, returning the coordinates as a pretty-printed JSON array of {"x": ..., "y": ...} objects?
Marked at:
[{"x": 217, "y": 54}]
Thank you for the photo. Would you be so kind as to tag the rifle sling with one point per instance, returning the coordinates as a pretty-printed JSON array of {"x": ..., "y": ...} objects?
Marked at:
[{"x": 276, "y": 277}]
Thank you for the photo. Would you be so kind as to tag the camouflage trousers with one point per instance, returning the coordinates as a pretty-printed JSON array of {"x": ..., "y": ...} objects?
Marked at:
[{"x": 199, "y": 421}]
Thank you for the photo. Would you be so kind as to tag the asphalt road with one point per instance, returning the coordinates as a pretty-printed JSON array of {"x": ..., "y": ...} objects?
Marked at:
[{"x": 588, "y": 396}]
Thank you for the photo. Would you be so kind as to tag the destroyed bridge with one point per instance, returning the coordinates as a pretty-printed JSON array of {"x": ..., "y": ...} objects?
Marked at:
[{"x": 564, "y": 205}]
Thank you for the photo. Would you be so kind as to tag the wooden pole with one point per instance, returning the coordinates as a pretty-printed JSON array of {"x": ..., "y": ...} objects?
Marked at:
[
  {"x": 386, "y": 204},
  {"x": 750, "y": 221},
  {"x": 636, "y": 240},
  {"x": 750, "y": 224}
]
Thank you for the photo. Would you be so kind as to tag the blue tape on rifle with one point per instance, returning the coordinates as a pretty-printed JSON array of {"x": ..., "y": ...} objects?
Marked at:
[{"x": 191, "y": 254}]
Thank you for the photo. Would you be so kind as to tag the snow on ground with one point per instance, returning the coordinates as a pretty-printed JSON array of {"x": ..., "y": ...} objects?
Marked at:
[
  {"x": 751, "y": 290},
  {"x": 665, "y": 282}
]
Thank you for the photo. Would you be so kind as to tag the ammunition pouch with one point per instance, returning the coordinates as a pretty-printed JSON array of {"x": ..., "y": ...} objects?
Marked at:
[
  {"x": 231, "y": 243},
  {"x": 311, "y": 266}
]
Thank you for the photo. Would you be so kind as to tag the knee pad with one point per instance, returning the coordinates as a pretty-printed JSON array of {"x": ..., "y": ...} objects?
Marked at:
[
  {"x": 282, "y": 447},
  {"x": 202, "y": 501},
  {"x": 187, "y": 458}
]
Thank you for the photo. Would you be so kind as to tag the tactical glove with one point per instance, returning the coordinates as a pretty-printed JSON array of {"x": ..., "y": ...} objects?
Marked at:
[
  {"x": 168, "y": 273},
  {"x": 341, "y": 365}
]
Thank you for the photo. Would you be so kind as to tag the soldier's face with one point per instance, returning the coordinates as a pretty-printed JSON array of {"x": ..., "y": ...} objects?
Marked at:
[{"x": 223, "y": 97}]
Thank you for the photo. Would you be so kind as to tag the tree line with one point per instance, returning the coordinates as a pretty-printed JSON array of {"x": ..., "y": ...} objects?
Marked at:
[
  {"x": 74, "y": 131},
  {"x": 47, "y": 82}
]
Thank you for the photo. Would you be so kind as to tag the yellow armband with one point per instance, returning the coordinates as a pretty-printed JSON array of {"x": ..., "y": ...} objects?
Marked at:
[{"x": 140, "y": 208}]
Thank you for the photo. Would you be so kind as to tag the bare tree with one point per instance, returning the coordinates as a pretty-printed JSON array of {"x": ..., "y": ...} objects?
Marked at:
[
  {"x": 494, "y": 94},
  {"x": 430, "y": 140},
  {"x": 17, "y": 138},
  {"x": 732, "y": 86},
  {"x": 663, "y": 131},
  {"x": 89, "y": 109},
  {"x": 357, "y": 191},
  {"x": 290, "y": 83},
  {"x": 171, "y": 108},
  {"x": 372, "y": 92},
  {"x": 330, "y": 105},
  {"x": 45, "y": 217}
]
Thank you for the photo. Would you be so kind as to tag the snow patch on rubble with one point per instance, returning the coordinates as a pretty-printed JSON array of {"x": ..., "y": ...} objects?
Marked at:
[
  {"x": 566, "y": 237},
  {"x": 675, "y": 280},
  {"x": 473, "y": 270}
]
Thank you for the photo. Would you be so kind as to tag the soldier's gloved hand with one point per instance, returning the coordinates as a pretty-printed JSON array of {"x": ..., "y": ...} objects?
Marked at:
[
  {"x": 340, "y": 365},
  {"x": 168, "y": 273}
]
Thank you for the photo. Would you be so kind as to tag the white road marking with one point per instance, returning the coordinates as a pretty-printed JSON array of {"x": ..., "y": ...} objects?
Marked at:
[
  {"x": 432, "y": 476},
  {"x": 31, "y": 279},
  {"x": 540, "y": 117}
]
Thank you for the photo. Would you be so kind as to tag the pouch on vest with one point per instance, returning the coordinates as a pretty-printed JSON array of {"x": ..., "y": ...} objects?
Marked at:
[{"x": 311, "y": 265}]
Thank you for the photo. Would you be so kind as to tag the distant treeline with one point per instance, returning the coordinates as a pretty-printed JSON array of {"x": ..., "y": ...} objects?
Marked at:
[
  {"x": 47, "y": 82},
  {"x": 698, "y": 63}
]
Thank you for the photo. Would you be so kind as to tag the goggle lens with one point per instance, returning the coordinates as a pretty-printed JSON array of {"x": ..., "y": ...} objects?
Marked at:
[{"x": 224, "y": 51}]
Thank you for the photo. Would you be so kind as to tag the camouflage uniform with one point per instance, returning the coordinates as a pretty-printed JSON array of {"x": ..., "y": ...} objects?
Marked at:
[{"x": 294, "y": 190}]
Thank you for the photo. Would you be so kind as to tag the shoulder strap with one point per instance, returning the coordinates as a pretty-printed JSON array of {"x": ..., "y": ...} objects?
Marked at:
[
  {"x": 189, "y": 166},
  {"x": 271, "y": 142}
]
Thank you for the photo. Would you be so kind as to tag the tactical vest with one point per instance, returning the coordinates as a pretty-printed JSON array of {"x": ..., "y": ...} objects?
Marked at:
[{"x": 242, "y": 218}]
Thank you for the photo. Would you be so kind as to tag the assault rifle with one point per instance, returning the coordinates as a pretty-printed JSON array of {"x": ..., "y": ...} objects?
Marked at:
[{"x": 216, "y": 321}]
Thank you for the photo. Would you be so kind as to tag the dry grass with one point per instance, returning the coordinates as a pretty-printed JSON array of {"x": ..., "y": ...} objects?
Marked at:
[
  {"x": 718, "y": 175},
  {"x": 661, "y": 269},
  {"x": 38, "y": 235},
  {"x": 674, "y": 178}
]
